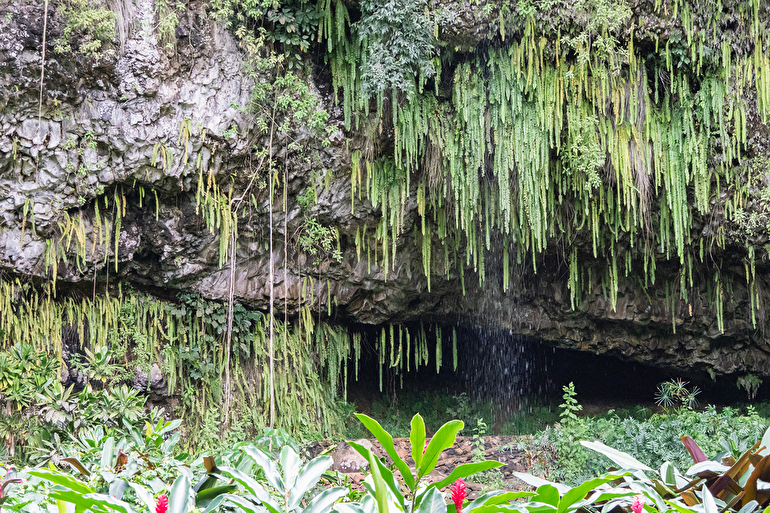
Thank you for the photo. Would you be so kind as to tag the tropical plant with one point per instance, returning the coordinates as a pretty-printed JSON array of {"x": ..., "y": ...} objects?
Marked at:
[
  {"x": 23, "y": 370},
  {"x": 400, "y": 36},
  {"x": 125, "y": 470},
  {"x": 570, "y": 407},
  {"x": 674, "y": 395},
  {"x": 288, "y": 484},
  {"x": 654, "y": 439},
  {"x": 750, "y": 383},
  {"x": 706, "y": 486},
  {"x": 99, "y": 367},
  {"x": 420, "y": 496}
]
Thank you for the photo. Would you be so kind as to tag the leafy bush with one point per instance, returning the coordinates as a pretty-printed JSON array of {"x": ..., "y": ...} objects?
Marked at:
[
  {"x": 400, "y": 46},
  {"x": 654, "y": 440},
  {"x": 89, "y": 23}
]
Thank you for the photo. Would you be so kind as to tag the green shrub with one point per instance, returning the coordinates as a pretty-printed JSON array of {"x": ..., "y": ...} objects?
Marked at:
[
  {"x": 89, "y": 23},
  {"x": 653, "y": 441}
]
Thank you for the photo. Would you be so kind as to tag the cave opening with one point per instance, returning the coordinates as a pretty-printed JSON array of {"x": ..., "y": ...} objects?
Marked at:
[{"x": 502, "y": 377}]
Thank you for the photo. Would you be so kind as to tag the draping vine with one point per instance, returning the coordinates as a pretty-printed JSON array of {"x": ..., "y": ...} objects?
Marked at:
[
  {"x": 567, "y": 139},
  {"x": 610, "y": 144},
  {"x": 186, "y": 340}
]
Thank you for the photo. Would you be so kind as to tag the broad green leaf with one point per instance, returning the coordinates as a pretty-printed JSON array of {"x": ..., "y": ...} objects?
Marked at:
[
  {"x": 537, "y": 482},
  {"x": 108, "y": 452},
  {"x": 489, "y": 496},
  {"x": 709, "y": 506},
  {"x": 248, "y": 506},
  {"x": 667, "y": 474},
  {"x": 711, "y": 466},
  {"x": 539, "y": 507},
  {"x": 547, "y": 494},
  {"x": 144, "y": 495},
  {"x": 138, "y": 439},
  {"x": 179, "y": 496},
  {"x": 417, "y": 439},
  {"x": 765, "y": 443},
  {"x": 749, "y": 507},
  {"x": 118, "y": 488},
  {"x": 290, "y": 463},
  {"x": 250, "y": 484},
  {"x": 443, "y": 439},
  {"x": 613, "y": 503},
  {"x": 387, "y": 443},
  {"x": 170, "y": 442},
  {"x": 579, "y": 492},
  {"x": 208, "y": 481},
  {"x": 322, "y": 502},
  {"x": 108, "y": 503},
  {"x": 108, "y": 476},
  {"x": 601, "y": 496},
  {"x": 204, "y": 497},
  {"x": 465, "y": 470},
  {"x": 62, "y": 479},
  {"x": 662, "y": 488},
  {"x": 214, "y": 504},
  {"x": 387, "y": 476},
  {"x": 349, "y": 507},
  {"x": 744, "y": 478},
  {"x": 496, "y": 499},
  {"x": 79, "y": 500},
  {"x": 380, "y": 494},
  {"x": 308, "y": 478},
  {"x": 682, "y": 508},
  {"x": 651, "y": 494},
  {"x": 492, "y": 508},
  {"x": 625, "y": 461},
  {"x": 367, "y": 505},
  {"x": 268, "y": 466},
  {"x": 432, "y": 502},
  {"x": 170, "y": 426}
]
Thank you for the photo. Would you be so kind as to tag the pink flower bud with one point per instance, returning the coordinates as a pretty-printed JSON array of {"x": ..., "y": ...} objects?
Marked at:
[
  {"x": 458, "y": 494},
  {"x": 637, "y": 507},
  {"x": 161, "y": 506}
]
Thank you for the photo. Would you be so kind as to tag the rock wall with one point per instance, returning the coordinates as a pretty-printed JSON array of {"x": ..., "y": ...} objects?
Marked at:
[{"x": 101, "y": 128}]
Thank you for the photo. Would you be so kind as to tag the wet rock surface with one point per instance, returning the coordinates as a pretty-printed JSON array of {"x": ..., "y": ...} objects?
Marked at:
[
  {"x": 102, "y": 125},
  {"x": 152, "y": 382},
  {"x": 347, "y": 460}
]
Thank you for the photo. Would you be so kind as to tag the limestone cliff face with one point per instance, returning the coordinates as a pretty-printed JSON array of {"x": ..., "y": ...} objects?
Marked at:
[{"x": 137, "y": 126}]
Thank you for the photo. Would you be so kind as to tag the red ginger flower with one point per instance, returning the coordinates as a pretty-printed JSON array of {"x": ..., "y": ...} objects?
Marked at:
[
  {"x": 636, "y": 507},
  {"x": 458, "y": 494},
  {"x": 161, "y": 506},
  {"x": 424, "y": 447}
]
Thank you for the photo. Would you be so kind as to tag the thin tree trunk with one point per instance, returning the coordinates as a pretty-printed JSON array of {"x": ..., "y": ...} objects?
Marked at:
[
  {"x": 271, "y": 277},
  {"x": 230, "y": 304},
  {"x": 234, "y": 208},
  {"x": 285, "y": 260}
]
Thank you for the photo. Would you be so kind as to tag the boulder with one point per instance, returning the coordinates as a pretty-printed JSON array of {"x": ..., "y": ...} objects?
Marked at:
[{"x": 347, "y": 460}]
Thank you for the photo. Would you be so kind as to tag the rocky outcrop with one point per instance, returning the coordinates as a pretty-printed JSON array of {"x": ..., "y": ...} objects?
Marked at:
[{"x": 140, "y": 126}]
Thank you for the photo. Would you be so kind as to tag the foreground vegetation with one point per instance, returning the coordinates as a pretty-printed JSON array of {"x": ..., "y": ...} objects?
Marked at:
[
  {"x": 130, "y": 470},
  {"x": 92, "y": 452}
]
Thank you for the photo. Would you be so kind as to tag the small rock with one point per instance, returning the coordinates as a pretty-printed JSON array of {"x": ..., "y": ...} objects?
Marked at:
[
  {"x": 156, "y": 385},
  {"x": 347, "y": 460}
]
